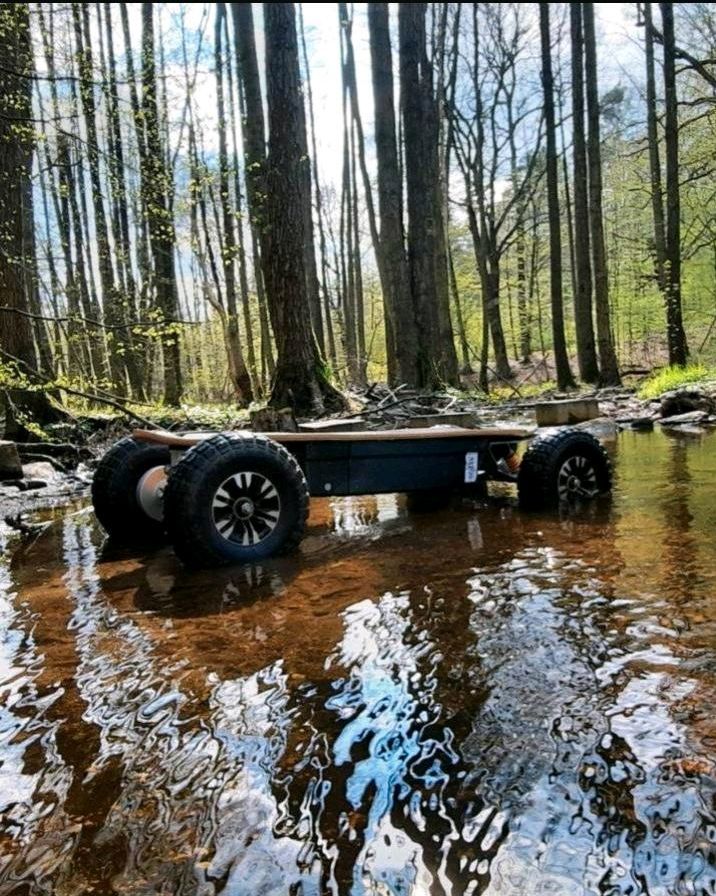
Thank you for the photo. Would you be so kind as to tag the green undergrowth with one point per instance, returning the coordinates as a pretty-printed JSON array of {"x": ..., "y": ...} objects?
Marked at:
[
  {"x": 199, "y": 416},
  {"x": 673, "y": 378},
  {"x": 505, "y": 393}
]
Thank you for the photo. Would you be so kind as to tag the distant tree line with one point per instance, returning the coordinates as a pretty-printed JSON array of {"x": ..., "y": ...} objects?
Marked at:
[{"x": 501, "y": 208}]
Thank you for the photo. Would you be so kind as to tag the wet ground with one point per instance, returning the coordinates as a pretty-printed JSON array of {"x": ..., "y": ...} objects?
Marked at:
[{"x": 474, "y": 701}]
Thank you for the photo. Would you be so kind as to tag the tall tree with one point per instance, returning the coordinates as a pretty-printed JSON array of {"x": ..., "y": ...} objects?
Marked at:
[
  {"x": 607, "y": 356},
  {"x": 330, "y": 342},
  {"x": 676, "y": 336},
  {"x": 564, "y": 374},
  {"x": 313, "y": 285},
  {"x": 237, "y": 366},
  {"x": 111, "y": 297},
  {"x": 156, "y": 188},
  {"x": 656, "y": 189},
  {"x": 355, "y": 143},
  {"x": 239, "y": 213},
  {"x": 120, "y": 215},
  {"x": 253, "y": 133},
  {"x": 401, "y": 328},
  {"x": 348, "y": 199},
  {"x": 23, "y": 404},
  {"x": 586, "y": 351},
  {"x": 300, "y": 379},
  {"x": 426, "y": 249}
]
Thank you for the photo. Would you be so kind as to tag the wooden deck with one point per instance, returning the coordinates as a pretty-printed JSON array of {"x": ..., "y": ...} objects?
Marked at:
[{"x": 186, "y": 440}]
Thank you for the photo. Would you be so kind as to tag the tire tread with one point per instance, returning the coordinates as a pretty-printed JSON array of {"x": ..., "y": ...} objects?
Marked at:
[
  {"x": 183, "y": 525},
  {"x": 537, "y": 467},
  {"x": 112, "y": 489}
]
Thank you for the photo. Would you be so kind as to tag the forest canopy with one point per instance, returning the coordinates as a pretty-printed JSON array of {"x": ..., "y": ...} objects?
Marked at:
[{"x": 245, "y": 203}]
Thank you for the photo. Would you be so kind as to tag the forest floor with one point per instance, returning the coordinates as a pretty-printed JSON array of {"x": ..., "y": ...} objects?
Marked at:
[{"x": 59, "y": 470}]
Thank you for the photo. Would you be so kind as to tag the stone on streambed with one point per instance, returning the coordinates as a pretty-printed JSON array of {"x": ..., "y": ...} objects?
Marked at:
[
  {"x": 603, "y": 428},
  {"x": 687, "y": 400},
  {"x": 28, "y": 485},
  {"x": 41, "y": 469},
  {"x": 10, "y": 465},
  {"x": 689, "y": 419},
  {"x": 638, "y": 424}
]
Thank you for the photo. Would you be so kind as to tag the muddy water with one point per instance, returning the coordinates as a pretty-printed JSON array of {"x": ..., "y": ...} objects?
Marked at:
[{"x": 475, "y": 701}]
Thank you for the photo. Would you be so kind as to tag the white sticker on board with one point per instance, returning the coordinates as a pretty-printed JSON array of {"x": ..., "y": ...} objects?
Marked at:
[{"x": 472, "y": 466}]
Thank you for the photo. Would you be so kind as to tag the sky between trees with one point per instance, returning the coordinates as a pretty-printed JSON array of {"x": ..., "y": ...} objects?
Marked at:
[{"x": 143, "y": 225}]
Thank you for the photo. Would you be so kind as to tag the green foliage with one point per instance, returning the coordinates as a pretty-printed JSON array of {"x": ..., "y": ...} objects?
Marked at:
[{"x": 672, "y": 378}]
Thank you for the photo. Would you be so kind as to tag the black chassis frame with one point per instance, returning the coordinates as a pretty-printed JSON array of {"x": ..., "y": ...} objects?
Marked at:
[{"x": 365, "y": 467}]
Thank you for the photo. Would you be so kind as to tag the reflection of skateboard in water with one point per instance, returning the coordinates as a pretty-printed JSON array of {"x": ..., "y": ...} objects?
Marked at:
[{"x": 242, "y": 497}]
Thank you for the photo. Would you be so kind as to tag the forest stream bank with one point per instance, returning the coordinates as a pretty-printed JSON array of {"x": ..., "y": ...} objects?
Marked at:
[{"x": 58, "y": 471}]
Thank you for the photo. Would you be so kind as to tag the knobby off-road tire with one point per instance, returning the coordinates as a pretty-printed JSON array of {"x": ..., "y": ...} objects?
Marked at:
[
  {"x": 114, "y": 490},
  {"x": 235, "y": 499},
  {"x": 565, "y": 465}
]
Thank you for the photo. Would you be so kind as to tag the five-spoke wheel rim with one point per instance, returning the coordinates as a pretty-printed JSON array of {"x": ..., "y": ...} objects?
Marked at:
[
  {"x": 577, "y": 478},
  {"x": 246, "y": 508}
]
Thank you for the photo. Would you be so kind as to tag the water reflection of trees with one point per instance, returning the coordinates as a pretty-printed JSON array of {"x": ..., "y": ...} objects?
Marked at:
[{"x": 362, "y": 719}]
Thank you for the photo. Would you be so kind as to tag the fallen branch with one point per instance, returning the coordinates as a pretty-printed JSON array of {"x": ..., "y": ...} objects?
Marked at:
[
  {"x": 54, "y": 387},
  {"x": 112, "y": 403}
]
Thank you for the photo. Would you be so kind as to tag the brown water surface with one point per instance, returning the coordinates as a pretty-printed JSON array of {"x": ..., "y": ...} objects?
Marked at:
[{"x": 475, "y": 701}]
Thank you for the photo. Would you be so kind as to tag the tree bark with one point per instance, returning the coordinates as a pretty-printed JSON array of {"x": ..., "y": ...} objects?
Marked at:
[
  {"x": 111, "y": 299},
  {"x": 253, "y": 134},
  {"x": 133, "y": 358},
  {"x": 350, "y": 329},
  {"x": 564, "y": 374},
  {"x": 239, "y": 216},
  {"x": 300, "y": 380},
  {"x": 237, "y": 366},
  {"x": 23, "y": 405},
  {"x": 676, "y": 336},
  {"x": 607, "y": 356},
  {"x": 156, "y": 188},
  {"x": 400, "y": 323},
  {"x": 656, "y": 192},
  {"x": 586, "y": 351},
  {"x": 329, "y": 338},
  {"x": 437, "y": 358}
]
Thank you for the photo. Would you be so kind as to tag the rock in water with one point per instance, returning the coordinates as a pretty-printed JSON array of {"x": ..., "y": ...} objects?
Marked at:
[
  {"x": 41, "y": 469},
  {"x": 689, "y": 418},
  {"x": 10, "y": 466},
  {"x": 686, "y": 400}
]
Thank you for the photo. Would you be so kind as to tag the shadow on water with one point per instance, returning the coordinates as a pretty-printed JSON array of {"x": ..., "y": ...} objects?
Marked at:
[{"x": 473, "y": 701}]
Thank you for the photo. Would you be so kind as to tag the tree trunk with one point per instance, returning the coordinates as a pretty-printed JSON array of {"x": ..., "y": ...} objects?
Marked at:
[
  {"x": 564, "y": 374},
  {"x": 313, "y": 286},
  {"x": 253, "y": 134},
  {"x": 81, "y": 356},
  {"x": 156, "y": 188},
  {"x": 586, "y": 351},
  {"x": 350, "y": 330},
  {"x": 239, "y": 214},
  {"x": 237, "y": 366},
  {"x": 357, "y": 267},
  {"x": 329, "y": 338},
  {"x": 134, "y": 359},
  {"x": 144, "y": 265},
  {"x": 676, "y": 337},
  {"x": 300, "y": 379},
  {"x": 437, "y": 358},
  {"x": 23, "y": 406},
  {"x": 400, "y": 323},
  {"x": 111, "y": 299},
  {"x": 607, "y": 355},
  {"x": 656, "y": 192}
]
